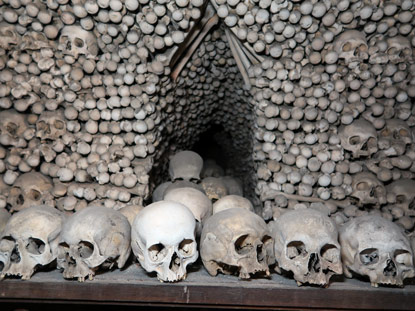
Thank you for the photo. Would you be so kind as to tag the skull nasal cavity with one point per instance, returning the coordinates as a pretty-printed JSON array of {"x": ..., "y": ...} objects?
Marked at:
[
  {"x": 314, "y": 263},
  {"x": 390, "y": 269}
]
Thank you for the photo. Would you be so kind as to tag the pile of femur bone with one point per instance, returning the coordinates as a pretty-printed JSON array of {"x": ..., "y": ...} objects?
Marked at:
[{"x": 315, "y": 98}]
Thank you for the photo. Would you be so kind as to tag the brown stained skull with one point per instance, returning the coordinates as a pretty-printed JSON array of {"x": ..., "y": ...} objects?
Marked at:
[
  {"x": 378, "y": 248},
  {"x": 395, "y": 137},
  {"x": 368, "y": 191},
  {"x": 306, "y": 243},
  {"x": 214, "y": 188},
  {"x": 352, "y": 47},
  {"x": 360, "y": 138},
  {"x": 9, "y": 36},
  {"x": 399, "y": 49},
  {"x": 30, "y": 241},
  {"x": 75, "y": 41},
  {"x": 404, "y": 192},
  {"x": 51, "y": 125},
  {"x": 236, "y": 241},
  {"x": 12, "y": 126},
  {"x": 30, "y": 189}
]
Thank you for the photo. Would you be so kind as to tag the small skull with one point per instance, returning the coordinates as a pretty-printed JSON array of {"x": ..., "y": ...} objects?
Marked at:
[
  {"x": 360, "y": 138},
  {"x": 214, "y": 187},
  {"x": 8, "y": 36},
  {"x": 12, "y": 126},
  {"x": 91, "y": 239},
  {"x": 306, "y": 244},
  {"x": 236, "y": 241},
  {"x": 185, "y": 165},
  {"x": 377, "y": 248},
  {"x": 75, "y": 41},
  {"x": 28, "y": 190},
  {"x": 232, "y": 201},
  {"x": 399, "y": 49},
  {"x": 394, "y": 137},
  {"x": 30, "y": 240},
  {"x": 368, "y": 191},
  {"x": 51, "y": 125},
  {"x": 163, "y": 239},
  {"x": 34, "y": 40},
  {"x": 404, "y": 192},
  {"x": 351, "y": 46}
]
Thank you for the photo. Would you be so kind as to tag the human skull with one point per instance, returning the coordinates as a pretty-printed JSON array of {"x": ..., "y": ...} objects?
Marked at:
[
  {"x": 8, "y": 36},
  {"x": 185, "y": 165},
  {"x": 94, "y": 238},
  {"x": 197, "y": 202},
  {"x": 30, "y": 240},
  {"x": 12, "y": 126},
  {"x": 377, "y": 248},
  {"x": 351, "y": 46},
  {"x": 34, "y": 40},
  {"x": 237, "y": 241},
  {"x": 51, "y": 125},
  {"x": 368, "y": 191},
  {"x": 394, "y": 137},
  {"x": 75, "y": 41},
  {"x": 399, "y": 49},
  {"x": 211, "y": 169},
  {"x": 404, "y": 192},
  {"x": 158, "y": 193},
  {"x": 306, "y": 243},
  {"x": 163, "y": 240},
  {"x": 214, "y": 188},
  {"x": 360, "y": 138},
  {"x": 28, "y": 190},
  {"x": 182, "y": 184},
  {"x": 232, "y": 201}
]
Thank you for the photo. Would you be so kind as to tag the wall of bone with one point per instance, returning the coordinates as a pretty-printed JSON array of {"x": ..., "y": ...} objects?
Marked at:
[{"x": 318, "y": 107}]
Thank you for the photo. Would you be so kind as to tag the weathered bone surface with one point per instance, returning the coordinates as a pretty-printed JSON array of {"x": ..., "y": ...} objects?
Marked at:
[
  {"x": 186, "y": 165},
  {"x": 163, "y": 240},
  {"x": 4, "y": 217},
  {"x": 236, "y": 241},
  {"x": 30, "y": 241},
  {"x": 306, "y": 243},
  {"x": 377, "y": 248},
  {"x": 232, "y": 201},
  {"x": 91, "y": 239}
]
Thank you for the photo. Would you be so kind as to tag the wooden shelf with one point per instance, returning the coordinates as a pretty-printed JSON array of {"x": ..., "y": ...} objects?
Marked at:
[{"x": 133, "y": 286}]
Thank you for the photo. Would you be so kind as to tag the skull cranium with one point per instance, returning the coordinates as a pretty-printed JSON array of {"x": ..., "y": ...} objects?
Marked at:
[
  {"x": 185, "y": 165},
  {"x": 51, "y": 125},
  {"x": 12, "y": 127},
  {"x": 351, "y": 46},
  {"x": 367, "y": 190},
  {"x": 403, "y": 190},
  {"x": 75, "y": 41},
  {"x": 394, "y": 137},
  {"x": 359, "y": 137},
  {"x": 399, "y": 49}
]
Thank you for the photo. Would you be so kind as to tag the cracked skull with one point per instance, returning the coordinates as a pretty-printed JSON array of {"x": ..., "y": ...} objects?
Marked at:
[
  {"x": 30, "y": 240},
  {"x": 28, "y": 190},
  {"x": 186, "y": 165},
  {"x": 51, "y": 125},
  {"x": 367, "y": 190},
  {"x": 351, "y": 46},
  {"x": 75, "y": 41},
  {"x": 91, "y": 239},
  {"x": 306, "y": 243},
  {"x": 360, "y": 138},
  {"x": 377, "y": 248},
  {"x": 163, "y": 239},
  {"x": 236, "y": 241}
]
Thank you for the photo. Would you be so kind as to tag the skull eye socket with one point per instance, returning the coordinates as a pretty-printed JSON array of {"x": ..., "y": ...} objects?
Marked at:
[
  {"x": 7, "y": 244},
  {"x": 35, "y": 246},
  {"x": 403, "y": 133},
  {"x": 354, "y": 140},
  {"x": 242, "y": 245},
  {"x": 372, "y": 142},
  {"x": 59, "y": 125},
  {"x": 295, "y": 249},
  {"x": 34, "y": 195},
  {"x": 392, "y": 51},
  {"x": 385, "y": 133},
  {"x": 11, "y": 128},
  {"x": 330, "y": 253},
  {"x": 362, "y": 186},
  {"x": 186, "y": 247},
  {"x": 85, "y": 249},
  {"x": 363, "y": 48},
  {"x": 403, "y": 257},
  {"x": 79, "y": 43},
  {"x": 369, "y": 256},
  {"x": 347, "y": 47},
  {"x": 41, "y": 125},
  {"x": 9, "y": 33},
  {"x": 157, "y": 252},
  {"x": 400, "y": 199}
]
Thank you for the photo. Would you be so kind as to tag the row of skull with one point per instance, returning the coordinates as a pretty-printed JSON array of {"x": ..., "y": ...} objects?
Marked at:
[{"x": 234, "y": 240}]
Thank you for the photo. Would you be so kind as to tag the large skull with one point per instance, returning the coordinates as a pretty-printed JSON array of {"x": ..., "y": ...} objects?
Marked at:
[
  {"x": 377, "y": 248},
  {"x": 236, "y": 241},
  {"x": 404, "y": 192},
  {"x": 30, "y": 240},
  {"x": 185, "y": 165},
  {"x": 28, "y": 190},
  {"x": 12, "y": 127},
  {"x": 351, "y": 46},
  {"x": 75, "y": 41},
  {"x": 93, "y": 238},
  {"x": 163, "y": 239},
  {"x": 51, "y": 125},
  {"x": 359, "y": 137},
  {"x": 399, "y": 49},
  {"x": 368, "y": 191},
  {"x": 394, "y": 137},
  {"x": 8, "y": 36},
  {"x": 306, "y": 243}
]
